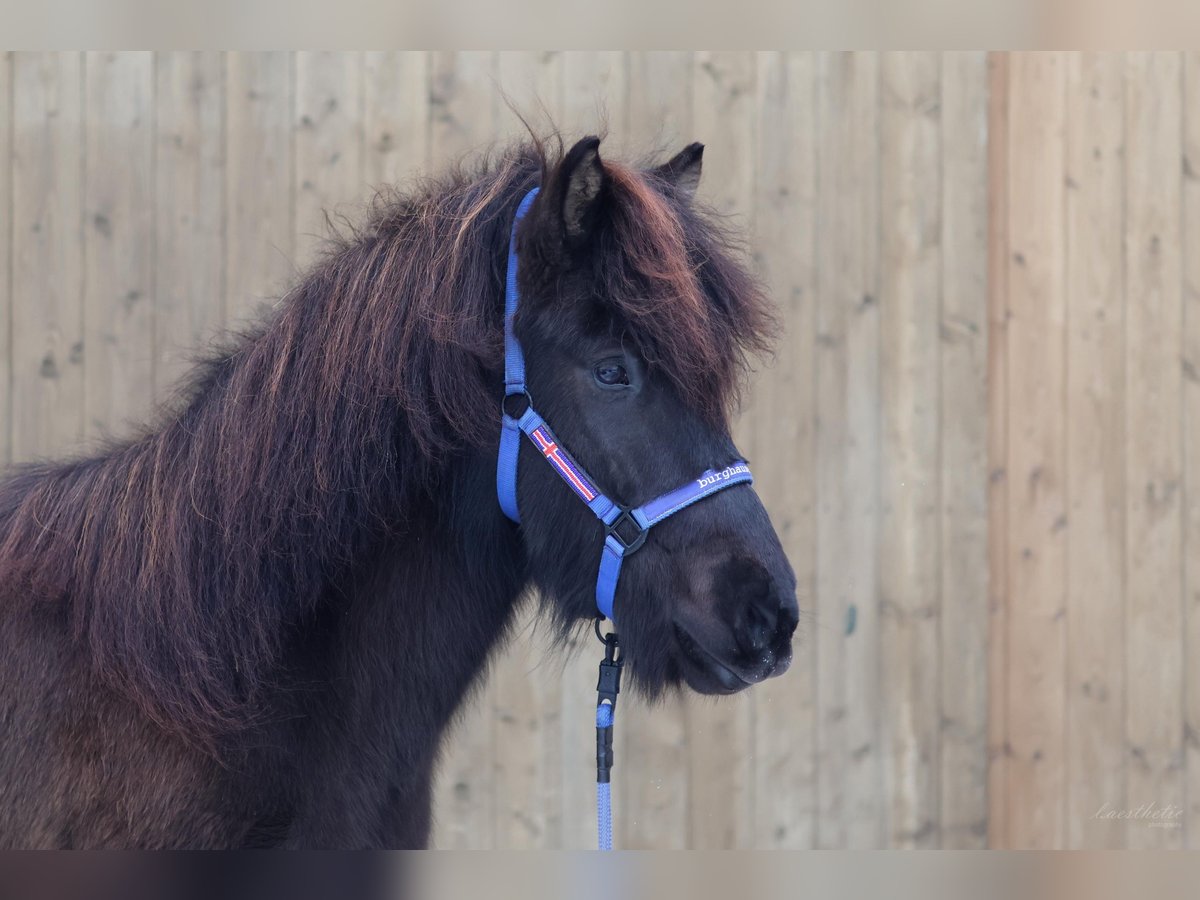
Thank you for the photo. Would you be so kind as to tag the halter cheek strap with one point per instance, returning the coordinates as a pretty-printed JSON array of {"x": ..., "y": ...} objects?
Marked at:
[{"x": 625, "y": 529}]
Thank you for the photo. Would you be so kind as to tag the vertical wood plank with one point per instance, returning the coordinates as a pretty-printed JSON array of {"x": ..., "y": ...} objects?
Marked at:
[
  {"x": 999, "y": 253},
  {"x": 593, "y": 85},
  {"x": 660, "y": 100},
  {"x": 909, "y": 563},
  {"x": 526, "y": 685},
  {"x": 1036, "y": 453},
  {"x": 395, "y": 116},
  {"x": 848, "y": 751},
  {"x": 1095, "y": 449},
  {"x": 463, "y": 110},
  {"x": 652, "y": 795},
  {"x": 327, "y": 142},
  {"x": 189, "y": 200},
  {"x": 595, "y": 94},
  {"x": 6, "y": 249},
  {"x": 532, "y": 82},
  {"x": 258, "y": 183},
  {"x": 1154, "y": 466},
  {"x": 720, "y": 735},
  {"x": 118, "y": 240},
  {"x": 1191, "y": 454},
  {"x": 785, "y": 247},
  {"x": 47, "y": 316},
  {"x": 462, "y": 102},
  {"x": 963, "y": 452}
]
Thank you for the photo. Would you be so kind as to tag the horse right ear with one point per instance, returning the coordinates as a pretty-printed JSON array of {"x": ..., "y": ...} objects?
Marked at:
[
  {"x": 683, "y": 169},
  {"x": 574, "y": 193}
]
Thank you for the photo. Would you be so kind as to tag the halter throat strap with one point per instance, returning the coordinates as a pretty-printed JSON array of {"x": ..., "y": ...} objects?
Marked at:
[{"x": 625, "y": 528}]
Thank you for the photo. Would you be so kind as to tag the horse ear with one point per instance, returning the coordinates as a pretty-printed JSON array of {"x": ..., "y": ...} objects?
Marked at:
[
  {"x": 683, "y": 169},
  {"x": 575, "y": 191}
]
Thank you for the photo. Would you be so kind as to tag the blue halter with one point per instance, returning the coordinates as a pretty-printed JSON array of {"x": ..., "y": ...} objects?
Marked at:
[{"x": 625, "y": 529}]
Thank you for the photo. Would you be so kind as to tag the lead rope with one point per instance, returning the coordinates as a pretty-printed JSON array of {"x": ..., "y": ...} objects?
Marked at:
[{"x": 607, "y": 689}]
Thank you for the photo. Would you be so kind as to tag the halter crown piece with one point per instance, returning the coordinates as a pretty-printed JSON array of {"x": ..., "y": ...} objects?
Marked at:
[{"x": 625, "y": 528}]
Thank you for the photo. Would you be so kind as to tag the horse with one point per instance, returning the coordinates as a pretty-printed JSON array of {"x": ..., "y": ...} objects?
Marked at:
[{"x": 250, "y": 624}]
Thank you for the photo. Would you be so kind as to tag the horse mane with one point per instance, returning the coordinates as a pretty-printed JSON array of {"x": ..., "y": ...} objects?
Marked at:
[{"x": 183, "y": 558}]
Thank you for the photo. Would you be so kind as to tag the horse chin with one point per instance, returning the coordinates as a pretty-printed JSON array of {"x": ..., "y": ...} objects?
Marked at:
[{"x": 704, "y": 673}]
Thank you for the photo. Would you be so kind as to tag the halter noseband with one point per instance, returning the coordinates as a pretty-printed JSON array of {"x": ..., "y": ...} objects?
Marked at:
[{"x": 625, "y": 528}]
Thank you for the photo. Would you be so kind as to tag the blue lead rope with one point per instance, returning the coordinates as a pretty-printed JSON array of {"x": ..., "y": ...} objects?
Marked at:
[{"x": 607, "y": 689}]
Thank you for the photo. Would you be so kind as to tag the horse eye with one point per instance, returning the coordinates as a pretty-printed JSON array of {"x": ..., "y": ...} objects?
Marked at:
[{"x": 611, "y": 374}]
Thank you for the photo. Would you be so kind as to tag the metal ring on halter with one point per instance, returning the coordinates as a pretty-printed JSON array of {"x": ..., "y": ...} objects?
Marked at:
[
  {"x": 507, "y": 397},
  {"x": 606, "y": 640}
]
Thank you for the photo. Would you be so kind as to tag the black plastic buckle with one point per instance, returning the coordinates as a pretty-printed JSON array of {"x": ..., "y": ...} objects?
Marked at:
[
  {"x": 607, "y": 689},
  {"x": 625, "y": 528},
  {"x": 524, "y": 395}
]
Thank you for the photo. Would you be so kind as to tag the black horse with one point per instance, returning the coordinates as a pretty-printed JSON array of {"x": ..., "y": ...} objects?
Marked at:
[{"x": 251, "y": 625}]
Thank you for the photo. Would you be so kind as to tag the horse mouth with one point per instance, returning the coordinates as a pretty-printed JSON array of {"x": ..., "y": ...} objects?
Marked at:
[{"x": 707, "y": 674}]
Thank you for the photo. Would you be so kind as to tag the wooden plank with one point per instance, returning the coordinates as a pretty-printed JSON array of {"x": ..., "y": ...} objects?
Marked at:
[
  {"x": 327, "y": 143},
  {"x": 909, "y": 559},
  {"x": 47, "y": 206},
  {"x": 785, "y": 778},
  {"x": 395, "y": 116},
  {"x": 999, "y": 254},
  {"x": 258, "y": 183},
  {"x": 531, "y": 80},
  {"x": 463, "y": 106},
  {"x": 1036, "y": 453},
  {"x": 591, "y": 80},
  {"x": 963, "y": 452},
  {"x": 1153, "y": 448},
  {"x": 118, "y": 240},
  {"x": 652, "y": 795},
  {"x": 595, "y": 96},
  {"x": 721, "y": 735},
  {"x": 528, "y": 715},
  {"x": 189, "y": 200},
  {"x": 1095, "y": 449},
  {"x": 6, "y": 248},
  {"x": 848, "y": 751},
  {"x": 660, "y": 101},
  {"x": 1191, "y": 454},
  {"x": 464, "y": 117}
]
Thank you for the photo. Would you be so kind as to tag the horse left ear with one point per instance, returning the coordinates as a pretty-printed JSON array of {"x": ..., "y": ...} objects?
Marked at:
[
  {"x": 575, "y": 191},
  {"x": 683, "y": 169}
]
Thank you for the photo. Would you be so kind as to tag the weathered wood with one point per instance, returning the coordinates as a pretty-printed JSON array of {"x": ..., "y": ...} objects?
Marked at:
[
  {"x": 47, "y": 279},
  {"x": 909, "y": 560},
  {"x": 785, "y": 777},
  {"x": 1036, "y": 453},
  {"x": 395, "y": 117},
  {"x": 258, "y": 183},
  {"x": 118, "y": 240},
  {"x": 852, "y": 811},
  {"x": 1153, "y": 441},
  {"x": 651, "y": 798},
  {"x": 720, "y": 735},
  {"x": 1095, "y": 419},
  {"x": 189, "y": 210},
  {"x": 6, "y": 248},
  {"x": 327, "y": 143},
  {"x": 595, "y": 95},
  {"x": 963, "y": 452},
  {"x": 526, "y": 684},
  {"x": 1191, "y": 452},
  {"x": 998, "y": 477},
  {"x": 463, "y": 117}
]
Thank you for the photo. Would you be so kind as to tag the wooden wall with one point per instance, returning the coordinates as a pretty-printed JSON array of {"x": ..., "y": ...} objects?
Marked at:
[
  {"x": 1096, "y": 415},
  {"x": 975, "y": 451}
]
